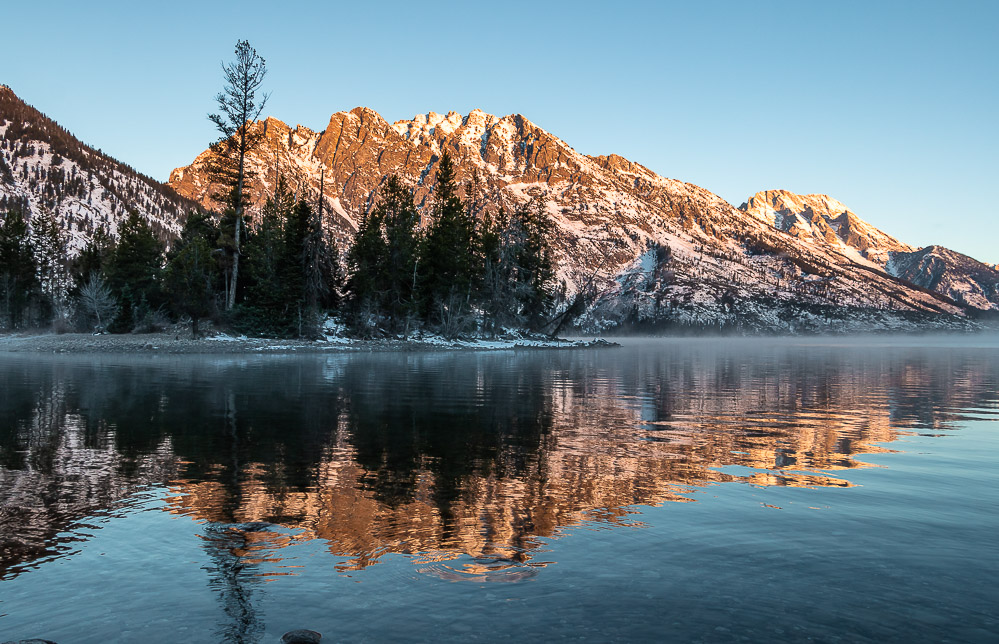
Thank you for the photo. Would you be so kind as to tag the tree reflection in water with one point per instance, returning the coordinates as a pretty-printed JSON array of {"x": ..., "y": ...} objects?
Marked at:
[{"x": 231, "y": 575}]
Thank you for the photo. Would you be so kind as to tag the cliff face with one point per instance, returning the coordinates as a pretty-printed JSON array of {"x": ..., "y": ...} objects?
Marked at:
[{"x": 45, "y": 169}]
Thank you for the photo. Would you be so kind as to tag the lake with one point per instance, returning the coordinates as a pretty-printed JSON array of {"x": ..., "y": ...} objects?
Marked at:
[{"x": 688, "y": 490}]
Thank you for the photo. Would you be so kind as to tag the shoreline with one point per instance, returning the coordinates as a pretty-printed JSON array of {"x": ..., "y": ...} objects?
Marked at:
[
  {"x": 222, "y": 344},
  {"x": 173, "y": 343}
]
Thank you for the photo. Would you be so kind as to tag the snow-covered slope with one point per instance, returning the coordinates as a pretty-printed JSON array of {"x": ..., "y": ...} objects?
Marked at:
[{"x": 43, "y": 168}]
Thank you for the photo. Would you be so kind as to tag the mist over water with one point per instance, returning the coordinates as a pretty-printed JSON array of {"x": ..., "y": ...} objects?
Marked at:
[{"x": 696, "y": 489}]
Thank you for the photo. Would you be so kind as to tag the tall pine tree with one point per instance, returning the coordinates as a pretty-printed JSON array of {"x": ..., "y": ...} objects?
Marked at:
[
  {"x": 18, "y": 279},
  {"x": 294, "y": 269},
  {"x": 448, "y": 253},
  {"x": 133, "y": 273},
  {"x": 239, "y": 106},
  {"x": 51, "y": 259},
  {"x": 190, "y": 278},
  {"x": 400, "y": 220},
  {"x": 365, "y": 261},
  {"x": 535, "y": 267}
]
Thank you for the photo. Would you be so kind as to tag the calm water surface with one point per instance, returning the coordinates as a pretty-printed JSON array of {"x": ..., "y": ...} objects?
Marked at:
[{"x": 681, "y": 490}]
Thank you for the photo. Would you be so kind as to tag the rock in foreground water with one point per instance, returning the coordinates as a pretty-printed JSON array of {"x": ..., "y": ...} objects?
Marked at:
[{"x": 301, "y": 636}]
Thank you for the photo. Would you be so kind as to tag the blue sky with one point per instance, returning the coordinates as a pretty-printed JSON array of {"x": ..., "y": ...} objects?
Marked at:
[{"x": 889, "y": 107}]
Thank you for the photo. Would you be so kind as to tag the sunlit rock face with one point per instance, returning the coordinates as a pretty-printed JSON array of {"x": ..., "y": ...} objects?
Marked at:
[
  {"x": 820, "y": 219},
  {"x": 608, "y": 212},
  {"x": 485, "y": 459}
]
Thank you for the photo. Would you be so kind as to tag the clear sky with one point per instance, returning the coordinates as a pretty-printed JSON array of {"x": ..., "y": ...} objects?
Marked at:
[{"x": 890, "y": 107}]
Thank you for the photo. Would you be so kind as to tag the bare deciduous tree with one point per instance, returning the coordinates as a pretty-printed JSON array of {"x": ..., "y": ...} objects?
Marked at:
[{"x": 96, "y": 300}]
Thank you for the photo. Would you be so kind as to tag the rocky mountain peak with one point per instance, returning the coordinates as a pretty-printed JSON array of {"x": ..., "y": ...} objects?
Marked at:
[
  {"x": 819, "y": 218},
  {"x": 429, "y": 127}
]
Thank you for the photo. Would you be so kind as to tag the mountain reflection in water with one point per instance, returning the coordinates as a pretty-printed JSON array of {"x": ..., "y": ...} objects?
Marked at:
[{"x": 466, "y": 462}]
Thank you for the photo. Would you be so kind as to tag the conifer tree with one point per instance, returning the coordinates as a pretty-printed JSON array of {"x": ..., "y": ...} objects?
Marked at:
[
  {"x": 18, "y": 279},
  {"x": 290, "y": 270},
  {"x": 495, "y": 289},
  {"x": 384, "y": 260},
  {"x": 448, "y": 251},
  {"x": 535, "y": 265},
  {"x": 322, "y": 266},
  {"x": 400, "y": 219},
  {"x": 365, "y": 260},
  {"x": 125, "y": 320},
  {"x": 50, "y": 247},
  {"x": 294, "y": 268},
  {"x": 264, "y": 249},
  {"x": 262, "y": 310},
  {"x": 189, "y": 279},
  {"x": 133, "y": 272}
]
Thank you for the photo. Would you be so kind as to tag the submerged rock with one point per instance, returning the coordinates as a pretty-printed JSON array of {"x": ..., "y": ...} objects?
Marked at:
[{"x": 301, "y": 636}]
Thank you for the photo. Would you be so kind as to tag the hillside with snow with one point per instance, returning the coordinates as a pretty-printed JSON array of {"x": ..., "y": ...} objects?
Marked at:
[
  {"x": 940, "y": 269},
  {"x": 822, "y": 220},
  {"x": 45, "y": 169}
]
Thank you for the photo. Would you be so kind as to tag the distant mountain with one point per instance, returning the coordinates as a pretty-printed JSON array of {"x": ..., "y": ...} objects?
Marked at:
[
  {"x": 820, "y": 219},
  {"x": 649, "y": 250},
  {"x": 44, "y": 168},
  {"x": 946, "y": 271}
]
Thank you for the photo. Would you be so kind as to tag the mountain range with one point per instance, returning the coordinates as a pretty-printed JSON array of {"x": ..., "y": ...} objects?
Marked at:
[{"x": 647, "y": 249}]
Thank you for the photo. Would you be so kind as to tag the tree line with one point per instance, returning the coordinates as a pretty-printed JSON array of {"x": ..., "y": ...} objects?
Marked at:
[{"x": 275, "y": 272}]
